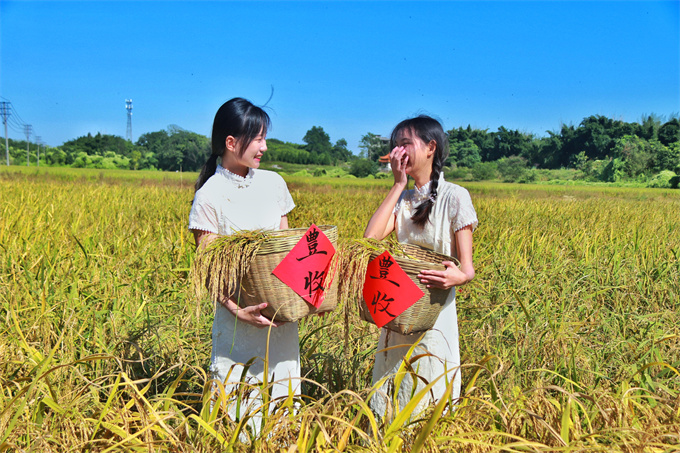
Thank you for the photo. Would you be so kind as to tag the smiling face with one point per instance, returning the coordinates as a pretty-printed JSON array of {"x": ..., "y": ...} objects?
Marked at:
[
  {"x": 419, "y": 154},
  {"x": 251, "y": 155},
  {"x": 238, "y": 159}
]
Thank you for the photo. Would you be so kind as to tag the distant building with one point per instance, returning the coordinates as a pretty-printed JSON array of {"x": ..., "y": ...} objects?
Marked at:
[{"x": 385, "y": 143}]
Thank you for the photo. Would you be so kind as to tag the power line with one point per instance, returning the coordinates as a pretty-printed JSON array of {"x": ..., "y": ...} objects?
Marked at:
[
  {"x": 16, "y": 126},
  {"x": 14, "y": 120},
  {"x": 11, "y": 118},
  {"x": 6, "y": 111},
  {"x": 22, "y": 123}
]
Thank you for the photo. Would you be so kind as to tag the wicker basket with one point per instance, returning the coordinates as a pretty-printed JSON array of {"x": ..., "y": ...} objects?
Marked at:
[
  {"x": 422, "y": 315},
  {"x": 260, "y": 285}
]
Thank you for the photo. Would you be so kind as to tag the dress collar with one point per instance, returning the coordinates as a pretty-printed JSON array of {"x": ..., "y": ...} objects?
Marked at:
[
  {"x": 424, "y": 189},
  {"x": 424, "y": 192},
  {"x": 241, "y": 182}
]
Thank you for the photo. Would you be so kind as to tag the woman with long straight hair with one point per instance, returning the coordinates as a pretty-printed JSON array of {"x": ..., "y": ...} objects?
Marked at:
[
  {"x": 233, "y": 194},
  {"x": 437, "y": 215}
]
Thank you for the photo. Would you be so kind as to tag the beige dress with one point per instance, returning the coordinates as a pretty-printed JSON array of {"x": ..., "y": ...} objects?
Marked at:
[
  {"x": 452, "y": 211},
  {"x": 225, "y": 204}
]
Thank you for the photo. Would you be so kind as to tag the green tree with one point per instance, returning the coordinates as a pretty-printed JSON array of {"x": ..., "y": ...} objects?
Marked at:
[
  {"x": 614, "y": 170},
  {"x": 286, "y": 152},
  {"x": 512, "y": 168},
  {"x": 581, "y": 162},
  {"x": 175, "y": 149},
  {"x": 510, "y": 143},
  {"x": 636, "y": 154},
  {"x": 97, "y": 145},
  {"x": 135, "y": 160},
  {"x": 195, "y": 148},
  {"x": 55, "y": 156},
  {"x": 597, "y": 135},
  {"x": 373, "y": 146},
  {"x": 548, "y": 151},
  {"x": 465, "y": 154},
  {"x": 480, "y": 137},
  {"x": 484, "y": 171},
  {"x": 669, "y": 133},
  {"x": 362, "y": 167},
  {"x": 662, "y": 180},
  {"x": 340, "y": 152},
  {"x": 318, "y": 141},
  {"x": 664, "y": 157},
  {"x": 649, "y": 127}
]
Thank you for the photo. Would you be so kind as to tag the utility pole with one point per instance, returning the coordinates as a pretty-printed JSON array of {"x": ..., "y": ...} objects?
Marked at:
[
  {"x": 28, "y": 129},
  {"x": 128, "y": 107},
  {"x": 38, "y": 139},
  {"x": 5, "y": 111}
]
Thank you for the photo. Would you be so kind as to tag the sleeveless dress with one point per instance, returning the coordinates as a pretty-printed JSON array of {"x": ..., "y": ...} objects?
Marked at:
[
  {"x": 225, "y": 204},
  {"x": 452, "y": 211}
]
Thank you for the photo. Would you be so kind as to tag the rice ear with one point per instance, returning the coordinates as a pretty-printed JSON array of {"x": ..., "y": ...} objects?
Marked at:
[{"x": 220, "y": 266}]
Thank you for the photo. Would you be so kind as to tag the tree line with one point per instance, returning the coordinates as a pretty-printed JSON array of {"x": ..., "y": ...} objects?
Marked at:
[
  {"x": 174, "y": 149},
  {"x": 601, "y": 148}
]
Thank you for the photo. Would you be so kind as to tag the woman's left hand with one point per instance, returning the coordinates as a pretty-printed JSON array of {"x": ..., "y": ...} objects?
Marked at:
[{"x": 445, "y": 279}]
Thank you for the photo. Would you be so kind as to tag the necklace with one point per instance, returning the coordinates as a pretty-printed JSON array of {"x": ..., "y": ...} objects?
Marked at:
[{"x": 241, "y": 182}]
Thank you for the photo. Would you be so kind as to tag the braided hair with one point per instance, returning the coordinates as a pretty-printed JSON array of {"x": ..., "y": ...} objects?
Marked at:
[
  {"x": 427, "y": 129},
  {"x": 242, "y": 120}
]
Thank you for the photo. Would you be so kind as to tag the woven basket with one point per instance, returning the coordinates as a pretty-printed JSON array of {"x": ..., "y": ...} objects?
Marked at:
[
  {"x": 422, "y": 315},
  {"x": 260, "y": 285}
]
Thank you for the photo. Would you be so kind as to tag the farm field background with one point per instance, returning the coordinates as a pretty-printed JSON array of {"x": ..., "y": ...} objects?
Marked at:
[{"x": 569, "y": 332}]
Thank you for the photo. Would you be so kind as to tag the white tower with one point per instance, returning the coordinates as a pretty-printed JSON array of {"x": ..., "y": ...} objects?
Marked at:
[{"x": 128, "y": 107}]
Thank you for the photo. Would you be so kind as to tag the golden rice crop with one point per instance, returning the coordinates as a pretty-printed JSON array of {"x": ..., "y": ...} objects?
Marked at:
[
  {"x": 569, "y": 332},
  {"x": 221, "y": 265}
]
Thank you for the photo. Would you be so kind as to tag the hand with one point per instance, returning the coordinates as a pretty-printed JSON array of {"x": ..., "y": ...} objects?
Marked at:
[
  {"x": 445, "y": 279},
  {"x": 251, "y": 315},
  {"x": 398, "y": 162}
]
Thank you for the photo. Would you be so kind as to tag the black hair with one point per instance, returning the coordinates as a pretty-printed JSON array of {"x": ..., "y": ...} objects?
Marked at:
[
  {"x": 427, "y": 129},
  {"x": 242, "y": 120}
]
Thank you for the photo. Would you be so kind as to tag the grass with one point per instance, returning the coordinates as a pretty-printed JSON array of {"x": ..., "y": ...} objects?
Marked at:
[{"x": 569, "y": 332}]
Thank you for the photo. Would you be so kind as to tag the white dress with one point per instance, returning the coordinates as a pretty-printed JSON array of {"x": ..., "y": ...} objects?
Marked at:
[
  {"x": 452, "y": 211},
  {"x": 225, "y": 204}
]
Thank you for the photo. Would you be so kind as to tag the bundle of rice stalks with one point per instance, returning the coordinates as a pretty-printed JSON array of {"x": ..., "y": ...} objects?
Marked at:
[
  {"x": 221, "y": 265},
  {"x": 354, "y": 260},
  {"x": 240, "y": 267}
]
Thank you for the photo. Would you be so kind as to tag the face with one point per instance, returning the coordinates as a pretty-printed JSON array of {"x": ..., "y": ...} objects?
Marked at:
[
  {"x": 239, "y": 163},
  {"x": 253, "y": 152},
  {"x": 419, "y": 153}
]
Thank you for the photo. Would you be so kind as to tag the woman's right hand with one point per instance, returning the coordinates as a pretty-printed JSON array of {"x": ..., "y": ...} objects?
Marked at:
[
  {"x": 251, "y": 315},
  {"x": 398, "y": 162},
  {"x": 383, "y": 220}
]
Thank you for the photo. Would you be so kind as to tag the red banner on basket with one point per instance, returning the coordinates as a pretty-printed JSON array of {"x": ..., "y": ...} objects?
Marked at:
[
  {"x": 388, "y": 291},
  {"x": 305, "y": 268}
]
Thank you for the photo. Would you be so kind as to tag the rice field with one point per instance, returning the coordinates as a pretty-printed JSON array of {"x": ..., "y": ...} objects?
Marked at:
[{"x": 569, "y": 332}]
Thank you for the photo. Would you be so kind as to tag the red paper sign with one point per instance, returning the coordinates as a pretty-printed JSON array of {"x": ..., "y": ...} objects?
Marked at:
[
  {"x": 388, "y": 291},
  {"x": 304, "y": 269}
]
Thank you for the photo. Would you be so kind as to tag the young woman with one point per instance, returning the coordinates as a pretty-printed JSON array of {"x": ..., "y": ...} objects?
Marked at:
[
  {"x": 437, "y": 215},
  {"x": 234, "y": 195}
]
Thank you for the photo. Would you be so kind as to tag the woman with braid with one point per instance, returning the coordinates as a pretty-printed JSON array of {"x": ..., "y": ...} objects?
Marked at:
[{"x": 437, "y": 215}]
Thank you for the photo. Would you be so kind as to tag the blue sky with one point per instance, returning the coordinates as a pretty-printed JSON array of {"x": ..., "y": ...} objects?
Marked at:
[{"x": 349, "y": 67}]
